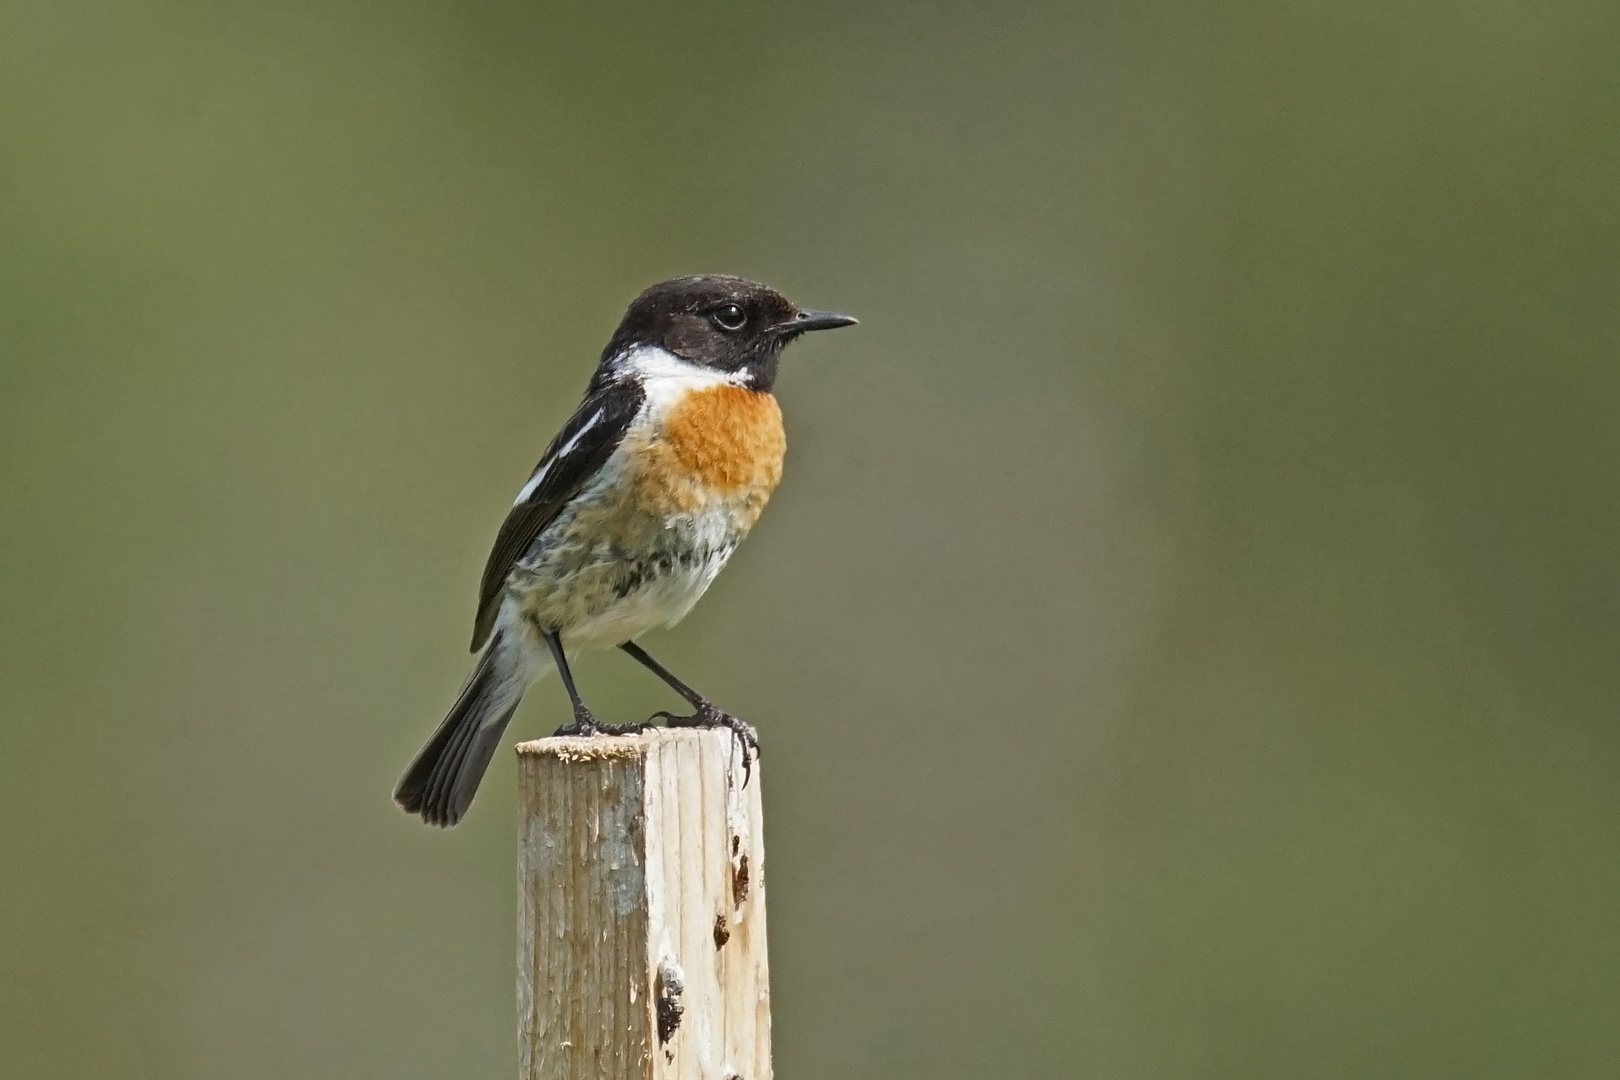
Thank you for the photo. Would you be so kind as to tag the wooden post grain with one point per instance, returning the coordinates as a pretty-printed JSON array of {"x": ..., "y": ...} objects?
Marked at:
[{"x": 641, "y": 910}]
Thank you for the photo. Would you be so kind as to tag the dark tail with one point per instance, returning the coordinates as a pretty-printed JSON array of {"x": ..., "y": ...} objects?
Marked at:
[{"x": 440, "y": 783}]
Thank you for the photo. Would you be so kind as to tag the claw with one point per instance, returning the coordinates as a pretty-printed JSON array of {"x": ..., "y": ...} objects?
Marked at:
[
  {"x": 587, "y": 725},
  {"x": 635, "y": 727},
  {"x": 710, "y": 716}
]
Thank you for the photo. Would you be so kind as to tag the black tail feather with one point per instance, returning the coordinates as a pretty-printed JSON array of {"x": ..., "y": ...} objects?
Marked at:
[{"x": 440, "y": 782}]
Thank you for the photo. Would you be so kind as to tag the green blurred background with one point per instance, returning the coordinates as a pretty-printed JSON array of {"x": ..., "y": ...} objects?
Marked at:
[{"x": 1186, "y": 638}]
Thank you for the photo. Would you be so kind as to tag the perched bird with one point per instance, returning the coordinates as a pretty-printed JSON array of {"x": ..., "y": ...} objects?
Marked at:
[{"x": 635, "y": 507}]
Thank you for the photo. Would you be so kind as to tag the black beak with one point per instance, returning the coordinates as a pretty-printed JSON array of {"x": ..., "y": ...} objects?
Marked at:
[{"x": 816, "y": 320}]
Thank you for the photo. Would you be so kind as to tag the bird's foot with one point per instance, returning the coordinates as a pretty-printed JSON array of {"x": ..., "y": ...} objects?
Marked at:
[
  {"x": 710, "y": 716},
  {"x": 586, "y": 724},
  {"x": 635, "y": 727}
]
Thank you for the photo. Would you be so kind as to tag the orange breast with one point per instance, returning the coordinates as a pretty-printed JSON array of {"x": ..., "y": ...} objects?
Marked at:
[
  {"x": 724, "y": 441},
  {"x": 728, "y": 438}
]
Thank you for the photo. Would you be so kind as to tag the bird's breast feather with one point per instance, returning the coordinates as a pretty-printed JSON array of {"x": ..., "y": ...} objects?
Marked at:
[{"x": 716, "y": 443}]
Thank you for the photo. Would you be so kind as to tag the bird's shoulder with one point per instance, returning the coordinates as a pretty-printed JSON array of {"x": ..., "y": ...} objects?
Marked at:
[{"x": 584, "y": 444}]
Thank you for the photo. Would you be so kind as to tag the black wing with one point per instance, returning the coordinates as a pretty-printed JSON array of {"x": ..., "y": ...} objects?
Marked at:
[{"x": 579, "y": 450}]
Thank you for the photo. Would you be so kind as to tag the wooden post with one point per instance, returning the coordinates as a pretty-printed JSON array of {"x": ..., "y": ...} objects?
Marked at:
[{"x": 641, "y": 910}]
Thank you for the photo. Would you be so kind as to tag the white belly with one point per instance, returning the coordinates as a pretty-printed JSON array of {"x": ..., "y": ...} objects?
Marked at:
[
  {"x": 661, "y": 601},
  {"x": 610, "y": 569}
]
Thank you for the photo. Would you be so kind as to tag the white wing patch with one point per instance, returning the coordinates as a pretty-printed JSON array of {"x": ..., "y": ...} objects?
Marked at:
[{"x": 562, "y": 451}]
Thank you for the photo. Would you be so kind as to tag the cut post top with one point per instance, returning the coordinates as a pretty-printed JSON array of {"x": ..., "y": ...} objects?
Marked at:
[{"x": 604, "y": 747}]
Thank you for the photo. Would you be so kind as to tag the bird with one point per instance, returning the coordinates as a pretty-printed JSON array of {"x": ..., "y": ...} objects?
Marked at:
[{"x": 634, "y": 508}]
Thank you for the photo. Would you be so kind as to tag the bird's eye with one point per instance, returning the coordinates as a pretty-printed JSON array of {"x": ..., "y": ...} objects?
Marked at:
[{"x": 729, "y": 317}]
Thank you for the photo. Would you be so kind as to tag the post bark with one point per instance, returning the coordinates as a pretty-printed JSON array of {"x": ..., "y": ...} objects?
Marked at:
[{"x": 641, "y": 910}]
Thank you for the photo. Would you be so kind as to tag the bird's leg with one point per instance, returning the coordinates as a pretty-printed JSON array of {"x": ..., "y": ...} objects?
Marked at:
[
  {"x": 706, "y": 714},
  {"x": 585, "y": 722}
]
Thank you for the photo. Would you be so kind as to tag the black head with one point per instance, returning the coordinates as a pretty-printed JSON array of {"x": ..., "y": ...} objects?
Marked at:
[{"x": 727, "y": 323}]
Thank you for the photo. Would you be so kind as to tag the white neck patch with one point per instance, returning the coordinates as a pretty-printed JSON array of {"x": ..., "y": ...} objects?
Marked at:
[{"x": 653, "y": 364}]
